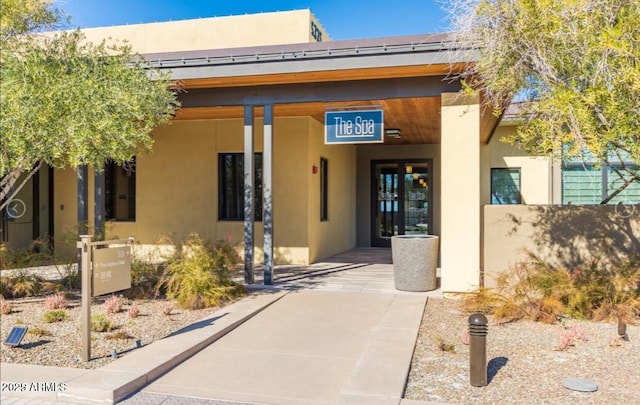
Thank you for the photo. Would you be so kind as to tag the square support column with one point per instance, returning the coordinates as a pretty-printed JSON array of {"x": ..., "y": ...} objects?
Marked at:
[
  {"x": 83, "y": 199},
  {"x": 267, "y": 188},
  {"x": 99, "y": 204},
  {"x": 460, "y": 193},
  {"x": 249, "y": 208}
]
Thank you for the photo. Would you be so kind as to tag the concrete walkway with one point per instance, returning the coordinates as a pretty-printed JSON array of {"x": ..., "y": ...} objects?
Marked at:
[
  {"x": 336, "y": 332},
  {"x": 310, "y": 347}
]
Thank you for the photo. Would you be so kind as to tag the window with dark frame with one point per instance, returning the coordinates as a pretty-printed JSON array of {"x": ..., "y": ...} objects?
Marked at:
[
  {"x": 324, "y": 189},
  {"x": 505, "y": 186},
  {"x": 120, "y": 191},
  {"x": 231, "y": 187},
  {"x": 4, "y": 226},
  {"x": 589, "y": 184}
]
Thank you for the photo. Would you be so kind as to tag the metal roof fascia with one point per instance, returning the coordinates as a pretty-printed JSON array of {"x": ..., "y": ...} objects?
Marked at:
[
  {"x": 432, "y": 42},
  {"x": 320, "y": 64}
]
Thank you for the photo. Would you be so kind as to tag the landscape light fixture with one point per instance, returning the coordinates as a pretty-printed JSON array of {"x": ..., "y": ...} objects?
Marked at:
[{"x": 392, "y": 132}]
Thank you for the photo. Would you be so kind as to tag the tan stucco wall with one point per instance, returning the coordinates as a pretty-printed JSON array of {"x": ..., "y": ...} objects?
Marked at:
[
  {"x": 460, "y": 193},
  {"x": 65, "y": 201},
  {"x": 275, "y": 28},
  {"x": 377, "y": 152},
  {"x": 567, "y": 235},
  {"x": 535, "y": 171},
  {"x": 290, "y": 190},
  {"x": 176, "y": 183},
  {"x": 20, "y": 229},
  {"x": 338, "y": 233},
  {"x": 177, "y": 189},
  {"x": 182, "y": 174}
]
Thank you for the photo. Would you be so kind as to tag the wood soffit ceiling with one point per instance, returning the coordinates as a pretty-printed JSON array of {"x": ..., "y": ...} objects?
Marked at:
[{"x": 417, "y": 118}]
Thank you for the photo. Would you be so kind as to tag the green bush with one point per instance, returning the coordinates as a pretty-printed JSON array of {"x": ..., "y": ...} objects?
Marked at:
[
  {"x": 39, "y": 332},
  {"x": 6, "y": 288},
  {"x": 145, "y": 276},
  {"x": 37, "y": 254},
  {"x": 70, "y": 278},
  {"x": 199, "y": 274},
  {"x": 538, "y": 291},
  {"x": 55, "y": 315},
  {"x": 100, "y": 323},
  {"x": 65, "y": 255}
]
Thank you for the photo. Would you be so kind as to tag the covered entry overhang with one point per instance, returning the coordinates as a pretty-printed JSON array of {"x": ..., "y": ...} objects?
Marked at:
[
  {"x": 404, "y": 75},
  {"x": 407, "y": 77}
]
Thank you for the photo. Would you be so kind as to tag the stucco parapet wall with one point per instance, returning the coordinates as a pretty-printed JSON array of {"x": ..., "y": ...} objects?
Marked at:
[
  {"x": 268, "y": 28},
  {"x": 425, "y": 49}
]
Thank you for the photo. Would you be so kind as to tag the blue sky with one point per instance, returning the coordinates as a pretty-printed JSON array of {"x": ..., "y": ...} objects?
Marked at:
[{"x": 342, "y": 19}]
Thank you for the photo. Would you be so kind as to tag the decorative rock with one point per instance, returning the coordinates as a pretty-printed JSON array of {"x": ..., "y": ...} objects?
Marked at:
[{"x": 580, "y": 384}]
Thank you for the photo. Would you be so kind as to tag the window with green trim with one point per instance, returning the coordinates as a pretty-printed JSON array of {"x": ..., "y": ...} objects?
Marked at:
[
  {"x": 505, "y": 186},
  {"x": 588, "y": 184}
]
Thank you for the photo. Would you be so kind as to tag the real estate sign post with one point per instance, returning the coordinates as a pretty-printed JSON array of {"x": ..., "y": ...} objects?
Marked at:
[{"x": 104, "y": 271}]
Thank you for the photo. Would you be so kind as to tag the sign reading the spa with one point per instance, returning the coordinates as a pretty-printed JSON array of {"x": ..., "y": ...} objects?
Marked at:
[{"x": 357, "y": 126}]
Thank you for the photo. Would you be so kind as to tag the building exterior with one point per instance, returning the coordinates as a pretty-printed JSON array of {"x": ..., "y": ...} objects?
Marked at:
[{"x": 252, "y": 88}]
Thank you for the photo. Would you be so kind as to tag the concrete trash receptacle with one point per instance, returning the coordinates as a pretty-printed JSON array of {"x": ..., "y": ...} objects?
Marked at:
[{"x": 415, "y": 262}]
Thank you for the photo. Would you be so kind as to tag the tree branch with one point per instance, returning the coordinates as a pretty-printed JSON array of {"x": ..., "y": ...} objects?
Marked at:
[{"x": 7, "y": 194}]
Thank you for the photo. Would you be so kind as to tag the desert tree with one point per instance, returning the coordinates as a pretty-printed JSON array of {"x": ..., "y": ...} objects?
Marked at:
[
  {"x": 65, "y": 102},
  {"x": 573, "y": 66}
]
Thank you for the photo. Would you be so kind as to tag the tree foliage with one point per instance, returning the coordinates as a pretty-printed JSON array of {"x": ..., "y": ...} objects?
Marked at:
[
  {"x": 67, "y": 102},
  {"x": 574, "y": 63}
]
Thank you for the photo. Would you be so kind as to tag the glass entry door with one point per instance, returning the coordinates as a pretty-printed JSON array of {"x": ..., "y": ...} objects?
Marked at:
[{"x": 401, "y": 199}]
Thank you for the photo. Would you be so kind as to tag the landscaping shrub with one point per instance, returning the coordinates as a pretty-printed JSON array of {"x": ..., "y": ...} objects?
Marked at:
[
  {"x": 21, "y": 284},
  {"x": 56, "y": 301},
  {"x": 145, "y": 276},
  {"x": 55, "y": 315},
  {"x": 199, "y": 274},
  {"x": 166, "y": 309},
  {"x": 5, "y": 306},
  {"x": 538, "y": 291},
  {"x": 6, "y": 288},
  {"x": 100, "y": 323},
  {"x": 133, "y": 311},
  {"x": 570, "y": 336},
  {"x": 70, "y": 279},
  {"x": 65, "y": 255},
  {"x": 37, "y": 254},
  {"x": 39, "y": 332},
  {"x": 113, "y": 305},
  {"x": 119, "y": 335}
]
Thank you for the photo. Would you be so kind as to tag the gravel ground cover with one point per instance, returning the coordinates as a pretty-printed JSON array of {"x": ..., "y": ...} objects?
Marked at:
[
  {"x": 62, "y": 346},
  {"x": 524, "y": 363}
]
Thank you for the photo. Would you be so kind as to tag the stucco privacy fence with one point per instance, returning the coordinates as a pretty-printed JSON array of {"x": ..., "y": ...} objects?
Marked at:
[{"x": 415, "y": 262}]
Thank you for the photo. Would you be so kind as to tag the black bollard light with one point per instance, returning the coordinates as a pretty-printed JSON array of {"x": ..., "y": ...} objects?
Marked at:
[
  {"x": 478, "y": 350},
  {"x": 622, "y": 329}
]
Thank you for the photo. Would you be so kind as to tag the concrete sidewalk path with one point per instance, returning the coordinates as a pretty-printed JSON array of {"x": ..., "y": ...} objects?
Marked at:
[
  {"x": 32, "y": 384},
  {"x": 309, "y": 347},
  {"x": 336, "y": 332}
]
